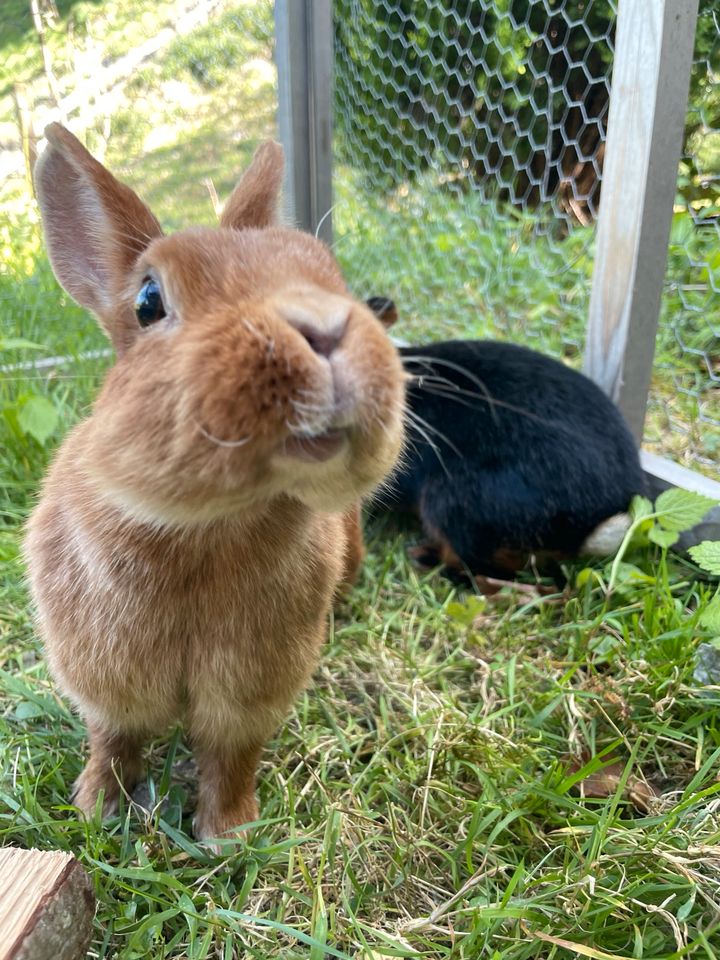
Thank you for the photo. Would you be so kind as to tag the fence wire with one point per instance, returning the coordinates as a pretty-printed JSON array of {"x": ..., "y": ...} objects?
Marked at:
[
  {"x": 469, "y": 143},
  {"x": 470, "y": 140}
]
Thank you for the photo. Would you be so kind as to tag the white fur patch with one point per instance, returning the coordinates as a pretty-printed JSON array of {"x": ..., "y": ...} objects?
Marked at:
[{"x": 607, "y": 536}]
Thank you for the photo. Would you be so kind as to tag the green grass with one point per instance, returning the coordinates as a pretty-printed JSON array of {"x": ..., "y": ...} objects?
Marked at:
[
  {"x": 422, "y": 799},
  {"x": 113, "y": 28}
]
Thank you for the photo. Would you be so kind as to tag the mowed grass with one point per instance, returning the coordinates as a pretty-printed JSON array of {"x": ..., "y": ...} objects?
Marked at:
[
  {"x": 422, "y": 799},
  {"x": 425, "y": 798}
]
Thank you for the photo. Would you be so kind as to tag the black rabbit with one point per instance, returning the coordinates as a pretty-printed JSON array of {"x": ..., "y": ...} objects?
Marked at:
[{"x": 512, "y": 456}]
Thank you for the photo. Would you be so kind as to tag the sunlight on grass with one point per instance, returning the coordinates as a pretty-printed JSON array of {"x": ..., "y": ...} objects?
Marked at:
[{"x": 425, "y": 798}]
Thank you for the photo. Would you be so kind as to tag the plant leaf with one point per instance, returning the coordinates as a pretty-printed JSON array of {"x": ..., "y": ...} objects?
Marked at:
[
  {"x": 38, "y": 417},
  {"x": 640, "y": 507},
  {"x": 707, "y": 555},
  {"x": 710, "y": 617},
  {"x": 466, "y": 612},
  {"x": 681, "y": 509},
  {"x": 663, "y": 538}
]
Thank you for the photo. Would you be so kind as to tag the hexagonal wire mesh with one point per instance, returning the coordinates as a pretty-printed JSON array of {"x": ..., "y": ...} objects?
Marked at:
[{"x": 469, "y": 148}]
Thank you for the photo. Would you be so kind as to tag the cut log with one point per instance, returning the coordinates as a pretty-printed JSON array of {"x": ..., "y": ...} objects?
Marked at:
[{"x": 46, "y": 906}]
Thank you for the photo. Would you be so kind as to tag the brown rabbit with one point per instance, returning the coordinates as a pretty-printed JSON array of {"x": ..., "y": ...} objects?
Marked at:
[{"x": 193, "y": 530}]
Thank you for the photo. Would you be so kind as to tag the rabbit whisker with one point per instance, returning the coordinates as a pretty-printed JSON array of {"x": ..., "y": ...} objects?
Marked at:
[
  {"x": 218, "y": 441},
  {"x": 415, "y": 418},
  {"x": 430, "y": 361},
  {"x": 451, "y": 390},
  {"x": 447, "y": 393},
  {"x": 430, "y": 442},
  {"x": 485, "y": 395}
]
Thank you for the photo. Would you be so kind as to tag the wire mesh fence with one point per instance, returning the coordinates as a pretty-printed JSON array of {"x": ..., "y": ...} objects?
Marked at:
[
  {"x": 469, "y": 155},
  {"x": 469, "y": 146}
]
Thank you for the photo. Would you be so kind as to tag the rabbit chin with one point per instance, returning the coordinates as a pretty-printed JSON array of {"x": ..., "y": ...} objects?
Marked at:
[
  {"x": 329, "y": 485},
  {"x": 336, "y": 484}
]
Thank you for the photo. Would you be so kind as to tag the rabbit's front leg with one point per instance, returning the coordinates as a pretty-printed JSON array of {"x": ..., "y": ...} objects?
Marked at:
[
  {"x": 226, "y": 790},
  {"x": 115, "y": 759}
]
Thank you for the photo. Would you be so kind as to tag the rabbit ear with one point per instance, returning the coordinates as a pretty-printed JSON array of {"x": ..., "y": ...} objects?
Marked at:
[
  {"x": 384, "y": 309},
  {"x": 95, "y": 227},
  {"x": 254, "y": 201}
]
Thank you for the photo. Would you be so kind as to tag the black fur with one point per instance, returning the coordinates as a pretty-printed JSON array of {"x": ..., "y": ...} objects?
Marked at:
[{"x": 509, "y": 451}]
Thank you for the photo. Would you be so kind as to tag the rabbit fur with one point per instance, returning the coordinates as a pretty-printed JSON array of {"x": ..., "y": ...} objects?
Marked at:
[
  {"x": 193, "y": 530},
  {"x": 513, "y": 458}
]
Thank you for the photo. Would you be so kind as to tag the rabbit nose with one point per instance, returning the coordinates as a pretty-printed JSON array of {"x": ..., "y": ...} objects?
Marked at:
[{"x": 323, "y": 334}]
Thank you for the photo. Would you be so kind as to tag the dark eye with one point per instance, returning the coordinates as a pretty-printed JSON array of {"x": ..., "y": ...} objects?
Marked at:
[{"x": 148, "y": 304}]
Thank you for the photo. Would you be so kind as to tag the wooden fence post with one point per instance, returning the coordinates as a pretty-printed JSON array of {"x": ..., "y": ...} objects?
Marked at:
[
  {"x": 648, "y": 102},
  {"x": 304, "y": 53},
  {"x": 28, "y": 140}
]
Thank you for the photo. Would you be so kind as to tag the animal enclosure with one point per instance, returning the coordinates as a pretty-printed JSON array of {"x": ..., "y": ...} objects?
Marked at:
[
  {"x": 513, "y": 776},
  {"x": 467, "y": 179}
]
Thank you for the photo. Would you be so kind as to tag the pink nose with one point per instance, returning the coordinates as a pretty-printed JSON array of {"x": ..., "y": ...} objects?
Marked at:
[
  {"x": 322, "y": 339},
  {"x": 318, "y": 316}
]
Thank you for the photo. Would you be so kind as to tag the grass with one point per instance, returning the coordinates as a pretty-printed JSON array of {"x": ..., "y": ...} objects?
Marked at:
[
  {"x": 83, "y": 26},
  {"x": 463, "y": 265},
  {"x": 420, "y": 801},
  {"x": 424, "y": 798}
]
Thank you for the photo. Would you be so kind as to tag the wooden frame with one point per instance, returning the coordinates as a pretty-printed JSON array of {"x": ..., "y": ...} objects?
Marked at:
[
  {"x": 304, "y": 54},
  {"x": 654, "y": 44}
]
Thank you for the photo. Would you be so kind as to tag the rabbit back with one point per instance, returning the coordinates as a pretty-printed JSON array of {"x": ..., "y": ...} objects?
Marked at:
[{"x": 510, "y": 452}]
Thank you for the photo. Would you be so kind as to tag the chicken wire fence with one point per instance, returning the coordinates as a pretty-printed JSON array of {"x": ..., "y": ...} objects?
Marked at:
[
  {"x": 469, "y": 140},
  {"x": 468, "y": 165}
]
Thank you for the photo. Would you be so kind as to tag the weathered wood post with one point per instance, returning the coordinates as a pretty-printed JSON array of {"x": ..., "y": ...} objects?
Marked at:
[
  {"x": 47, "y": 906},
  {"x": 304, "y": 54},
  {"x": 648, "y": 102}
]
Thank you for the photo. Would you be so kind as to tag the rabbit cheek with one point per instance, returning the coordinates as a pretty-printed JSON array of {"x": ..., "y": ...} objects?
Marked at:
[{"x": 372, "y": 373}]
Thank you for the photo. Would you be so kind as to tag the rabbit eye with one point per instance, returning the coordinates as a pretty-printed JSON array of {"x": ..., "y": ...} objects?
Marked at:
[{"x": 149, "y": 307}]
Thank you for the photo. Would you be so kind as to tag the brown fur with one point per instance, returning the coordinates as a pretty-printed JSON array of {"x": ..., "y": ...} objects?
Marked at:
[
  {"x": 354, "y": 546},
  {"x": 183, "y": 556}
]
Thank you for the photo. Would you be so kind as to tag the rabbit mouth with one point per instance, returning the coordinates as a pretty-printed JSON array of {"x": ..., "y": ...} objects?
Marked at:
[{"x": 315, "y": 448}]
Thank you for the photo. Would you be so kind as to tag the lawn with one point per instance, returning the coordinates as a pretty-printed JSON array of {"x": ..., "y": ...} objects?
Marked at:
[{"x": 518, "y": 777}]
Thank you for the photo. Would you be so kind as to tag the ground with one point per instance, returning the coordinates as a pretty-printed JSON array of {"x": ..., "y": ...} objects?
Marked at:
[{"x": 509, "y": 778}]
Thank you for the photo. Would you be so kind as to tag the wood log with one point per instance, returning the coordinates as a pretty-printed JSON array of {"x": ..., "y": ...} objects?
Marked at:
[{"x": 46, "y": 906}]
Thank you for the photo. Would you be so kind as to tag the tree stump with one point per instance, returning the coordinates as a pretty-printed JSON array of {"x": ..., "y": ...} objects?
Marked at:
[{"x": 46, "y": 906}]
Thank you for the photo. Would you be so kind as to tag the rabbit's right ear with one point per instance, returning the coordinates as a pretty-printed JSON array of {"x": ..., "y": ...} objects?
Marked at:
[
  {"x": 95, "y": 227},
  {"x": 254, "y": 201}
]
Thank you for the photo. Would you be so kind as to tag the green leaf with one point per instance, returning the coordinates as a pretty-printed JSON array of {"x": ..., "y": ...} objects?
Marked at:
[
  {"x": 663, "y": 538},
  {"x": 38, "y": 417},
  {"x": 707, "y": 555},
  {"x": 466, "y": 612},
  {"x": 681, "y": 509},
  {"x": 640, "y": 507},
  {"x": 710, "y": 617},
  {"x": 628, "y": 578},
  {"x": 684, "y": 910},
  {"x": 587, "y": 574},
  {"x": 26, "y": 710}
]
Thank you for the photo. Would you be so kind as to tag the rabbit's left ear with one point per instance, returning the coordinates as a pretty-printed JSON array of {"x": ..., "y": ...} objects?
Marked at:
[
  {"x": 95, "y": 227},
  {"x": 384, "y": 309},
  {"x": 254, "y": 201}
]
